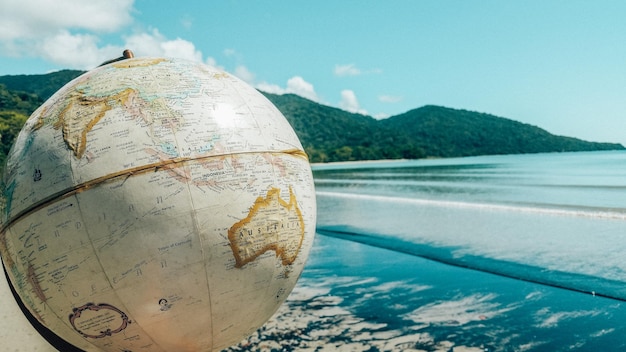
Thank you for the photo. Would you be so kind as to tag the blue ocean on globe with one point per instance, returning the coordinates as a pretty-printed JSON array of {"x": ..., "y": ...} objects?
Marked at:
[{"x": 489, "y": 253}]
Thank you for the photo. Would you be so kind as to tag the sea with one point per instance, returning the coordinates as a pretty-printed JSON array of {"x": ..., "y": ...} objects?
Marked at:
[
  {"x": 558, "y": 219},
  {"x": 487, "y": 253}
]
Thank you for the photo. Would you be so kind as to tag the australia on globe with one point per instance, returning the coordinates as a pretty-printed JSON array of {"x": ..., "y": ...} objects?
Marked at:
[{"x": 155, "y": 204}]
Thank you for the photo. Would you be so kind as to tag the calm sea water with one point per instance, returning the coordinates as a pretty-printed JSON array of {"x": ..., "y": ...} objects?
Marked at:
[{"x": 556, "y": 219}]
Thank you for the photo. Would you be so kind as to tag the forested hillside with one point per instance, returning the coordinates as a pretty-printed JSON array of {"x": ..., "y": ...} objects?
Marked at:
[
  {"x": 330, "y": 134},
  {"x": 15, "y": 107},
  {"x": 43, "y": 85},
  {"x": 446, "y": 132}
]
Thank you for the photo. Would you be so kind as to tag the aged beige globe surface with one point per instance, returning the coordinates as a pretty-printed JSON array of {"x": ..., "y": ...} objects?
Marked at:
[{"x": 156, "y": 204}]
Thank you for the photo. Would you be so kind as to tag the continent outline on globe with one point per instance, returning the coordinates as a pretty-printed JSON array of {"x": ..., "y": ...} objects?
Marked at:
[{"x": 243, "y": 236}]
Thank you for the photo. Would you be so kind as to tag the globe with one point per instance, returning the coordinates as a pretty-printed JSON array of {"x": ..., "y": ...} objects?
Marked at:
[{"x": 155, "y": 204}]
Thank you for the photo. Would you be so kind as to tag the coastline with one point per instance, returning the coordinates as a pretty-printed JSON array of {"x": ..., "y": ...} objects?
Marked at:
[
  {"x": 432, "y": 158},
  {"x": 358, "y": 163},
  {"x": 361, "y": 162}
]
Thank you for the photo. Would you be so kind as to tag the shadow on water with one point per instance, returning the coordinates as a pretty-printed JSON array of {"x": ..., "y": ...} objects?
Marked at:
[{"x": 587, "y": 284}]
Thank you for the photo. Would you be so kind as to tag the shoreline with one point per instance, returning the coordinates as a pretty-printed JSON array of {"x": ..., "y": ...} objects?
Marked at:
[
  {"x": 358, "y": 163},
  {"x": 362, "y": 161},
  {"x": 382, "y": 161}
]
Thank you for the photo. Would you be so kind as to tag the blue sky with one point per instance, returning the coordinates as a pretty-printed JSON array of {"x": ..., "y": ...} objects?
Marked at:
[{"x": 559, "y": 65}]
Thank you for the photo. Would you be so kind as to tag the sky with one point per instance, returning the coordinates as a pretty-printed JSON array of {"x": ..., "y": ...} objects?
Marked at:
[{"x": 558, "y": 65}]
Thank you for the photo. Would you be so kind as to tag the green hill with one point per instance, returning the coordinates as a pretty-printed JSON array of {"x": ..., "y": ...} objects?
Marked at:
[
  {"x": 43, "y": 85},
  {"x": 446, "y": 132},
  {"x": 330, "y": 134},
  {"x": 15, "y": 107}
]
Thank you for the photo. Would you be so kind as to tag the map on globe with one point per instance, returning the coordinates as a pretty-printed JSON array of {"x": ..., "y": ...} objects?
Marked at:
[{"x": 156, "y": 205}]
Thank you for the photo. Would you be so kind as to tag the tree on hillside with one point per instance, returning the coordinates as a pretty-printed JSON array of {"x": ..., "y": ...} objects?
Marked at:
[{"x": 11, "y": 123}]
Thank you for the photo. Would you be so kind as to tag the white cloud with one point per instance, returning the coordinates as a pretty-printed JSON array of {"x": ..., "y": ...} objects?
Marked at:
[
  {"x": 155, "y": 44},
  {"x": 65, "y": 32},
  {"x": 350, "y": 103},
  {"x": 76, "y": 50},
  {"x": 187, "y": 21},
  {"x": 270, "y": 88},
  {"x": 81, "y": 51},
  {"x": 347, "y": 70},
  {"x": 62, "y": 31},
  {"x": 31, "y": 19},
  {"x": 180, "y": 48},
  {"x": 352, "y": 70},
  {"x": 244, "y": 74},
  {"x": 212, "y": 62},
  {"x": 389, "y": 98},
  {"x": 233, "y": 55},
  {"x": 297, "y": 85}
]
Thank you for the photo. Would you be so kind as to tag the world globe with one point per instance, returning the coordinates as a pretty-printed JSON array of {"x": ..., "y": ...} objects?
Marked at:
[{"x": 155, "y": 204}]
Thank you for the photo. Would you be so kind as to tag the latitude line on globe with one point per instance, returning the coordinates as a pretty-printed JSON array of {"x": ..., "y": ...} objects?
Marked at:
[{"x": 127, "y": 173}]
